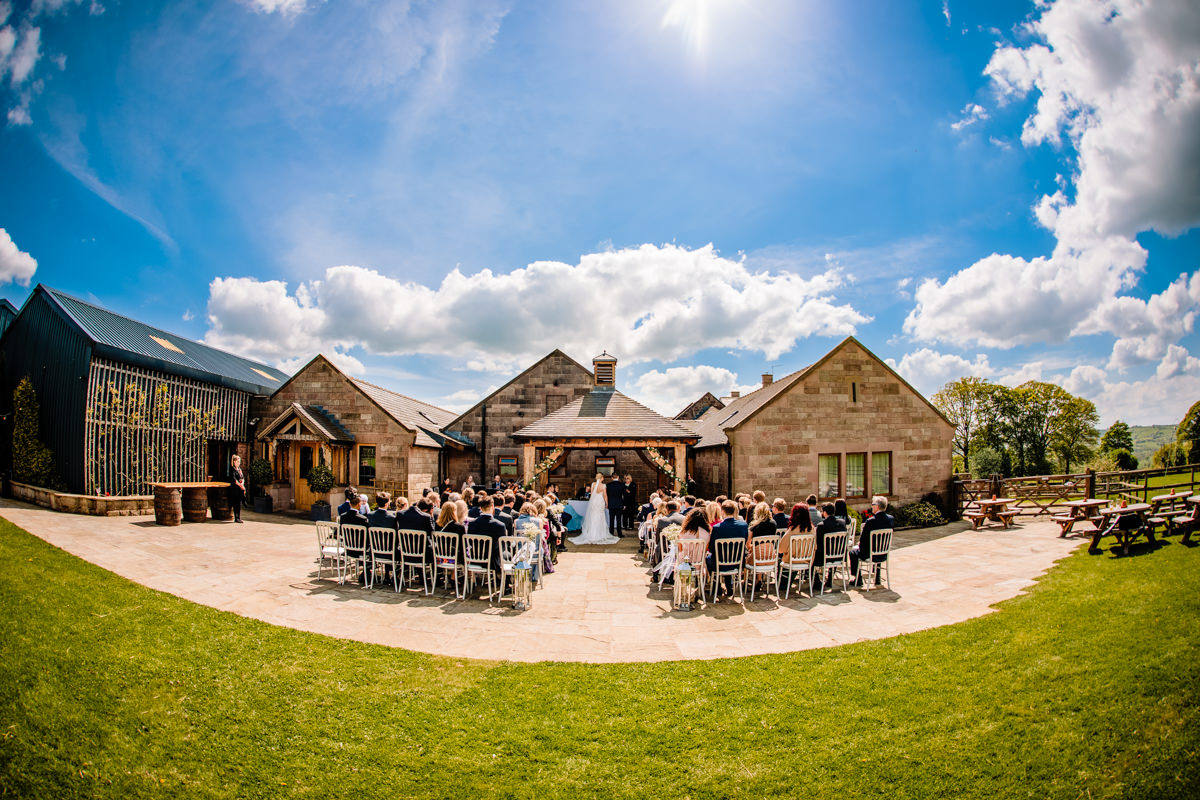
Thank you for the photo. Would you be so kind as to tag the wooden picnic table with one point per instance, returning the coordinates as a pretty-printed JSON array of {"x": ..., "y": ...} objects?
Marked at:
[
  {"x": 1124, "y": 521},
  {"x": 1170, "y": 510},
  {"x": 995, "y": 510},
  {"x": 188, "y": 501},
  {"x": 1081, "y": 511}
]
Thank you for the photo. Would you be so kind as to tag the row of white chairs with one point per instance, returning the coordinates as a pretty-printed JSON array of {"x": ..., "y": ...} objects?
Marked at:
[
  {"x": 762, "y": 563},
  {"x": 350, "y": 549}
]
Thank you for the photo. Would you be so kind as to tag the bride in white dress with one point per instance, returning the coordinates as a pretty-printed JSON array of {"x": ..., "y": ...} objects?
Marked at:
[{"x": 595, "y": 521}]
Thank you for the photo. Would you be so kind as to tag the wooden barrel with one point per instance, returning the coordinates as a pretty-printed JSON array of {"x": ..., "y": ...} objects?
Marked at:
[
  {"x": 218, "y": 503},
  {"x": 195, "y": 504},
  {"x": 167, "y": 507}
]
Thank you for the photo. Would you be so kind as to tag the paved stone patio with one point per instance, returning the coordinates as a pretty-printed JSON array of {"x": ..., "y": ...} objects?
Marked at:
[{"x": 598, "y": 606}]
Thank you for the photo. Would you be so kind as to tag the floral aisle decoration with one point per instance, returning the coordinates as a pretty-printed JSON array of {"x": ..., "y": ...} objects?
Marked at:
[
  {"x": 672, "y": 532},
  {"x": 543, "y": 466},
  {"x": 660, "y": 462}
]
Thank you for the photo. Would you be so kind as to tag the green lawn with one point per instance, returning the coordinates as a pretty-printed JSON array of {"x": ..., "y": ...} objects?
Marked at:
[{"x": 1086, "y": 687}]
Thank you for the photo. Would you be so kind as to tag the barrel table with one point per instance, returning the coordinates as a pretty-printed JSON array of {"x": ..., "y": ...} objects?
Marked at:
[{"x": 188, "y": 501}]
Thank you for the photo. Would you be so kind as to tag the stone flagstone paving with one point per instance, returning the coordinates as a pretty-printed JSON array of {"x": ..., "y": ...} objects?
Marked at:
[{"x": 598, "y": 606}]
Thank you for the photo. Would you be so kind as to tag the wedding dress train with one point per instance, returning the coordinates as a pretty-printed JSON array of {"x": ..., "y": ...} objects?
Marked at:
[{"x": 595, "y": 521}]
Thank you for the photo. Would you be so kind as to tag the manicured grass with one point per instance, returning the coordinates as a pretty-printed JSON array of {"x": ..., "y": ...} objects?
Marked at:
[{"x": 1086, "y": 687}]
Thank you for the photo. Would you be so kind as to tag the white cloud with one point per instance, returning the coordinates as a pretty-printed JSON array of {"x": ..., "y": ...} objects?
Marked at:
[
  {"x": 643, "y": 304},
  {"x": 284, "y": 7},
  {"x": 971, "y": 113},
  {"x": 674, "y": 389},
  {"x": 1121, "y": 81},
  {"x": 1162, "y": 398},
  {"x": 1086, "y": 380},
  {"x": 928, "y": 370},
  {"x": 15, "y": 264},
  {"x": 463, "y": 399},
  {"x": 946, "y": 11}
]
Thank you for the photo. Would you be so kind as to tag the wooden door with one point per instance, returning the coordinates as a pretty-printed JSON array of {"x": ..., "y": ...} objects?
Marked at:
[{"x": 304, "y": 457}]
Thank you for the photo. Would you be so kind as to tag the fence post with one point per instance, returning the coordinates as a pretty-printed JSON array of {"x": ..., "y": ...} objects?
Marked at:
[{"x": 1090, "y": 483}]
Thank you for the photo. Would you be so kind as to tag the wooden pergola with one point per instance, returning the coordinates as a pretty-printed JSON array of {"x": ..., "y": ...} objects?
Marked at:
[{"x": 676, "y": 446}]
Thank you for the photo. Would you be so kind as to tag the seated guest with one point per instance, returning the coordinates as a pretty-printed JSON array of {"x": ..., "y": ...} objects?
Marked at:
[
  {"x": 730, "y": 527},
  {"x": 813, "y": 509},
  {"x": 780, "y": 511},
  {"x": 712, "y": 512},
  {"x": 670, "y": 516},
  {"x": 761, "y": 524},
  {"x": 500, "y": 513},
  {"x": 469, "y": 483},
  {"x": 799, "y": 524},
  {"x": 829, "y": 524},
  {"x": 878, "y": 521},
  {"x": 351, "y": 501},
  {"x": 744, "y": 507},
  {"x": 416, "y": 518},
  {"x": 759, "y": 496},
  {"x": 382, "y": 516},
  {"x": 696, "y": 524},
  {"x": 689, "y": 502},
  {"x": 448, "y": 521},
  {"x": 399, "y": 504},
  {"x": 352, "y": 516},
  {"x": 487, "y": 525},
  {"x": 841, "y": 512},
  {"x": 468, "y": 494},
  {"x": 542, "y": 510}
]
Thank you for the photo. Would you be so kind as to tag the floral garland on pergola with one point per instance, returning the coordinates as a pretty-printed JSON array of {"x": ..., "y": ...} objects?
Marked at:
[
  {"x": 664, "y": 466},
  {"x": 543, "y": 466}
]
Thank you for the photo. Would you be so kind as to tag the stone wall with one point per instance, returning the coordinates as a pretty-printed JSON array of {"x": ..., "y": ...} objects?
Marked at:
[
  {"x": 323, "y": 385},
  {"x": 852, "y": 403},
  {"x": 549, "y": 384},
  {"x": 93, "y": 505}
]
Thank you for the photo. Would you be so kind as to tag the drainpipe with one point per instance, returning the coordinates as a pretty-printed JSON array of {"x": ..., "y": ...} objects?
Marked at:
[
  {"x": 729, "y": 468},
  {"x": 482, "y": 443}
]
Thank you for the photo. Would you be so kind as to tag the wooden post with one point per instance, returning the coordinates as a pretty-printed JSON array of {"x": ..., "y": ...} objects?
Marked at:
[
  {"x": 1090, "y": 483},
  {"x": 530, "y": 453},
  {"x": 681, "y": 468}
]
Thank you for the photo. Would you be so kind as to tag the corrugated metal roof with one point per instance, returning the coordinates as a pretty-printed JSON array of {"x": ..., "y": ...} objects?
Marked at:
[
  {"x": 135, "y": 342},
  {"x": 424, "y": 419},
  {"x": 712, "y": 424},
  {"x": 604, "y": 413}
]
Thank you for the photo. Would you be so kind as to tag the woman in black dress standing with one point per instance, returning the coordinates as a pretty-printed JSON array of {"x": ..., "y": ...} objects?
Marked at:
[{"x": 237, "y": 487}]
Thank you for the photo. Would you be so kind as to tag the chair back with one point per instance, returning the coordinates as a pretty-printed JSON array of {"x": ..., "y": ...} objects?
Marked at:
[
  {"x": 835, "y": 547},
  {"x": 513, "y": 549},
  {"x": 445, "y": 548},
  {"x": 764, "y": 552},
  {"x": 413, "y": 545},
  {"x": 477, "y": 552},
  {"x": 729, "y": 555},
  {"x": 354, "y": 537},
  {"x": 327, "y": 534},
  {"x": 690, "y": 550},
  {"x": 881, "y": 544},
  {"x": 852, "y": 529},
  {"x": 383, "y": 543},
  {"x": 802, "y": 549}
]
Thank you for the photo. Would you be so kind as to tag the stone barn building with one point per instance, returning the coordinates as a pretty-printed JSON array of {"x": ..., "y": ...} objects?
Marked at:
[
  {"x": 847, "y": 426},
  {"x": 370, "y": 437}
]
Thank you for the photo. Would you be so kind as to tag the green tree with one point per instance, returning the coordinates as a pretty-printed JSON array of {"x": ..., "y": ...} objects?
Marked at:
[
  {"x": 962, "y": 401},
  {"x": 33, "y": 461},
  {"x": 1117, "y": 437},
  {"x": 1187, "y": 433},
  {"x": 1035, "y": 409},
  {"x": 1171, "y": 454},
  {"x": 1073, "y": 432},
  {"x": 1124, "y": 459}
]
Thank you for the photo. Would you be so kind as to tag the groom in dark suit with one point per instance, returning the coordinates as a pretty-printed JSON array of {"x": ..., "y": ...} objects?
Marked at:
[{"x": 616, "y": 504}]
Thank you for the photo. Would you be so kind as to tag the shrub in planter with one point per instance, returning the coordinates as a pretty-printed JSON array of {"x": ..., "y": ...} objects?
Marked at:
[
  {"x": 33, "y": 462},
  {"x": 919, "y": 515},
  {"x": 320, "y": 482},
  {"x": 261, "y": 474}
]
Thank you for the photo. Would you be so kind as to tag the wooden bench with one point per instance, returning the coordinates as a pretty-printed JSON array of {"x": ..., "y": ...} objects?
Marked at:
[
  {"x": 976, "y": 518},
  {"x": 1007, "y": 517}
]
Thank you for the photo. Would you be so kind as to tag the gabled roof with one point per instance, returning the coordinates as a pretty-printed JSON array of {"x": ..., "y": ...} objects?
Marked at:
[
  {"x": 123, "y": 339},
  {"x": 427, "y": 420},
  {"x": 423, "y": 419},
  {"x": 522, "y": 374},
  {"x": 697, "y": 408},
  {"x": 317, "y": 419},
  {"x": 715, "y": 422},
  {"x": 604, "y": 413}
]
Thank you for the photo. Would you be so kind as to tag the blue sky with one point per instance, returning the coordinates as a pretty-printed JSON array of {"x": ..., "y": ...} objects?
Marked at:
[{"x": 438, "y": 193}]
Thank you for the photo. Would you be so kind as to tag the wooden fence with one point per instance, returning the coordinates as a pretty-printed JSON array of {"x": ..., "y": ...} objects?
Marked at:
[{"x": 1035, "y": 495}]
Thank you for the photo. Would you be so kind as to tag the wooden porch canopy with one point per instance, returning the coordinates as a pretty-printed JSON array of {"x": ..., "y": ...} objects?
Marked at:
[
  {"x": 603, "y": 419},
  {"x": 300, "y": 423}
]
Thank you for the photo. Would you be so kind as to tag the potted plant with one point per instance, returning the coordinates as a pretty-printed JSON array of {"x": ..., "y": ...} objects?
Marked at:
[
  {"x": 320, "y": 483},
  {"x": 261, "y": 474}
]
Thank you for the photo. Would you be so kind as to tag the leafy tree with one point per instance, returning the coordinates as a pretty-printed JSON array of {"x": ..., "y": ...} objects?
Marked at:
[
  {"x": 1117, "y": 437},
  {"x": 1034, "y": 409},
  {"x": 962, "y": 401},
  {"x": 33, "y": 461},
  {"x": 1073, "y": 432},
  {"x": 1171, "y": 454},
  {"x": 988, "y": 462},
  {"x": 1124, "y": 459},
  {"x": 1187, "y": 433}
]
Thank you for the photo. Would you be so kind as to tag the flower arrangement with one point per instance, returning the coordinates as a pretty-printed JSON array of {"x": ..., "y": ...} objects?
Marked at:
[
  {"x": 531, "y": 530},
  {"x": 672, "y": 532},
  {"x": 543, "y": 466},
  {"x": 660, "y": 462},
  {"x": 558, "y": 508}
]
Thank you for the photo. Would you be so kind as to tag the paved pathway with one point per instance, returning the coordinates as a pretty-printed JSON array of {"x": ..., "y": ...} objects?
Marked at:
[{"x": 597, "y": 607}]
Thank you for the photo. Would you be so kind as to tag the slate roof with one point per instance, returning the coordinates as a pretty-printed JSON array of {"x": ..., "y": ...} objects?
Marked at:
[
  {"x": 427, "y": 420},
  {"x": 697, "y": 408},
  {"x": 604, "y": 413},
  {"x": 317, "y": 417},
  {"x": 122, "y": 339},
  {"x": 712, "y": 424},
  {"x": 515, "y": 379}
]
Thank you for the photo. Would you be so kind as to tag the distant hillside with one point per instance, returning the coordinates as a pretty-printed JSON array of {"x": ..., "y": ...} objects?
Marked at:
[{"x": 1147, "y": 439}]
